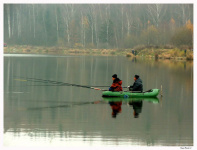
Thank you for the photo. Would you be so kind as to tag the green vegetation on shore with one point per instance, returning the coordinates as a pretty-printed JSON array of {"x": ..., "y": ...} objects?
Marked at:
[{"x": 148, "y": 52}]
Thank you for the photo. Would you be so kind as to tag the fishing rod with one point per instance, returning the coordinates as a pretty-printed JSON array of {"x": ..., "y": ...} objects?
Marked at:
[
  {"x": 59, "y": 106},
  {"x": 68, "y": 84},
  {"x": 58, "y": 83}
]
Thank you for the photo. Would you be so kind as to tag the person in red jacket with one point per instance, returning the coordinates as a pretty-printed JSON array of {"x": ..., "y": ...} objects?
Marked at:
[
  {"x": 116, "y": 85},
  {"x": 116, "y": 108}
]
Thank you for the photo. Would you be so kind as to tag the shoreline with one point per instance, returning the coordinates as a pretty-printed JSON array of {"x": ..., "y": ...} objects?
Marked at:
[{"x": 153, "y": 53}]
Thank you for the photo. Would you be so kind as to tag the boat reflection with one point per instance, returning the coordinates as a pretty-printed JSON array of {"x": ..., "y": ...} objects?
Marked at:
[{"x": 135, "y": 103}]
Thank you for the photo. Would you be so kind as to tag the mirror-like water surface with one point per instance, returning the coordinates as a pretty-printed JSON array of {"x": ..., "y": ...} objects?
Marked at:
[{"x": 42, "y": 113}]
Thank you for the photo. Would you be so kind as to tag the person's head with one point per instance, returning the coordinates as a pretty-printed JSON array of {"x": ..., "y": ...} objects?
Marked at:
[
  {"x": 135, "y": 114},
  {"x": 136, "y": 77},
  {"x": 114, "y": 76},
  {"x": 114, "y": 114}
]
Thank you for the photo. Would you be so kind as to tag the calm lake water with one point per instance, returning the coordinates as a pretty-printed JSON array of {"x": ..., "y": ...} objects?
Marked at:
[{"x": 41, "y": 113}]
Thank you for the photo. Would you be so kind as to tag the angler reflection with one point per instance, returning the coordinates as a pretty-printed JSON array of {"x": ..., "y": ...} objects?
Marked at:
[
  {"x": 116, "y": 108},
  {"x": 135, "y": 103},
  {"x": 137, "y": 107}
]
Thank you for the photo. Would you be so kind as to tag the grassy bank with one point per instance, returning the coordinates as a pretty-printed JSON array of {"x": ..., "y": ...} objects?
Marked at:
[
  {"x": 58, "y": 50},
  {"x": 154, "y": 53},
  {"x": 175, "y": 53}
]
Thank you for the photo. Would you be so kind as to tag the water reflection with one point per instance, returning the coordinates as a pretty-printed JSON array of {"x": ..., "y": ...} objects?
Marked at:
[
  {"x": 134, "y": 60},
  {"x": 116, "y": 108},
  {"x": 135, "y": 103},
  {"x": 65, "y": 113},
  {"x": 137, "y": 107},
  {"x": 115, "y": 103}
]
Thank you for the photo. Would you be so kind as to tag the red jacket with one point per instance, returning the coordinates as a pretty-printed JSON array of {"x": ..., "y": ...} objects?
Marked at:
[
  {"x": 116, "y": 108},
  {"x": 116, "y": 85}
]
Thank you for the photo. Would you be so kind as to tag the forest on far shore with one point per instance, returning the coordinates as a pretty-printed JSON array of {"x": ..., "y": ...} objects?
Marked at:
[{"x": 109, "y": 26}]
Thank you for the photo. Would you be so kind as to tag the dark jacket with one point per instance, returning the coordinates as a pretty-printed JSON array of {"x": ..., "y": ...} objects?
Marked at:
[
  {"x": 137, "y": 107},
  {"x": 137, "y": 86},
  {"x": 116, "y": 85}
]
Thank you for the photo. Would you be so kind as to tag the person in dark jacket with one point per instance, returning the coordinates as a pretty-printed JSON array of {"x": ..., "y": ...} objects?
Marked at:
[
  {"x": 137, "y": 107},
  {"x": 137, "y": 85},
  {"x": 116, "y": 85}
]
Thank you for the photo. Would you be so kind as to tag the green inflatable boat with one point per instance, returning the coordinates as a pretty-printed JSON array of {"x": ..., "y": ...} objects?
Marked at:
[
  {"x": 125, "y": 94},
  {"x": 136, "y": 99}
]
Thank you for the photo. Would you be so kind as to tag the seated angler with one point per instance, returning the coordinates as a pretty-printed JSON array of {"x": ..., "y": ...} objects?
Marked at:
[
  {"x": 116, "y": 108},
  {"x": 116, "y": 85},
  {"x": 137, "y": 85},
  {"x": 137, "y": 107}
]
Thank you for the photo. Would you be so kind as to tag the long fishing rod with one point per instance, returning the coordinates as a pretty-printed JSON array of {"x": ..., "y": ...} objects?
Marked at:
[
  {"x": 64, "y": 106},
  {"x": 50, "y": 81},
  {"x": 57, "y": 83},
  {"x": 68, "y": 84}
]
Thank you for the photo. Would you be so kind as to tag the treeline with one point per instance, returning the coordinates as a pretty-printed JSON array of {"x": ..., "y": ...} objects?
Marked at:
[{"x": 98, "y": 25}]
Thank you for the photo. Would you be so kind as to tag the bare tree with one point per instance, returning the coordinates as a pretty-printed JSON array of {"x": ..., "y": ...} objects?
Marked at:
[
  {"x": 44, "y": 23},
  {"x": 83, "y": 29},
  {"x": 34, "y": 21},
  {"x": 57, "y": 24},
  {"x": 19, "y": 21},
  {"x": 129, "y": 20},
  {"x": 92, "y": 21},
  {"x": 67, "y": 19},
  {"x": 9, "y": 24},
  {"x": 156, "y": 12},
  {"x": 122, "y": 12},
  {"x": 107, "y": 11}
]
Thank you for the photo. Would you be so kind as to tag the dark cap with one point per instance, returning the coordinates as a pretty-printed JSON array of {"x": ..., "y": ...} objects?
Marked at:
[
  {"x": 136, "y": 76},
  {"x": 136, "y": 115},
  {"x": 114, "y": 76}
]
